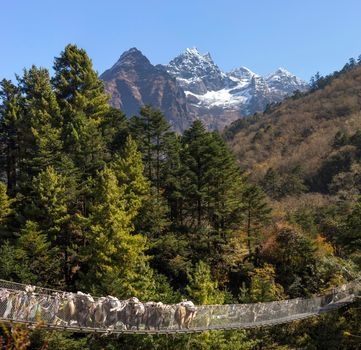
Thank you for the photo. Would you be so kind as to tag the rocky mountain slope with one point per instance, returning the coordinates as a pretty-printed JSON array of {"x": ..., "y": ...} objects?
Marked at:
[
  {"x": 133, "y": 82},
  {"x": 213, "y": 95},
  {"x": 192, "y": 87}
]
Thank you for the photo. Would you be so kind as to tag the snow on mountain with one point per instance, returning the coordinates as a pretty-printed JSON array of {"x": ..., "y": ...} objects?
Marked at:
[
  {"x": 284, "y": 82},
  {"x": 192, "y": 87},
  {"x": 209, "y": 90},
  {"x": 241, "y": 73},
  {"x": 196, "y": 73}
]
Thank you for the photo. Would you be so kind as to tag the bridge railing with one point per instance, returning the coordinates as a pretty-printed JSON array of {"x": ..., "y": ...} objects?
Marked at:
[{"x": 79, "y": 311}]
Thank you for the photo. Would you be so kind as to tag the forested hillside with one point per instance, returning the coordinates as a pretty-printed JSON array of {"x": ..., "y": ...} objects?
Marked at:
[
  {"x": 92, "y": 201},
  {"x": 303, "y": 132}
]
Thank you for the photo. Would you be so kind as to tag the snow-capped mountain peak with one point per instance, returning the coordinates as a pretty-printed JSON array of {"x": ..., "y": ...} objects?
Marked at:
[
  {"x": 241, "y": 73},
  {"x": 282, "y": 71},
  {"x": 192, "y": 86},
  {"x": 284, "y": 82},
  {"x": 208, "y": 88},
  {"x": 196, "y": 72},
  {"x": 195, "y": 54}
]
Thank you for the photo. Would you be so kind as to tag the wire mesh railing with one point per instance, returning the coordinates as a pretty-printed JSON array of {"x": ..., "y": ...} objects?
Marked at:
[{"x": 20, "y": 303}]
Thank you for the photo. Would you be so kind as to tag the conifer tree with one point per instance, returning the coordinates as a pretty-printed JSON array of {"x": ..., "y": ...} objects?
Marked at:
[
  {"x": 263, "y": 286},
  {"x": 152, "y": 220},
  {"x": 9, "y": 138},
  {"x": 350, "y": 236},
  {"x": 225, "y": 186},
  {"x": 115, "y": 129},
  {"x": 172, "y": 178},
  {"x": 115, "y": 256},
  {"x": 257, "y": 213},
  {"x": 197, "y": 155},
  {"x": 83, "y": 105},
  {"x": 202, "y": 289},
  {"x": 150, "y": 130},
  {"x": 5, "y": 211},
  {"x": 211, "y": 180},
  {"x": 38, "y": 260},
  {"x": 129, "y": 171},
  {"x": 53, "y": 208},
  {"x": 272, "y": 184},
  {"x": 39, "y": 128}
]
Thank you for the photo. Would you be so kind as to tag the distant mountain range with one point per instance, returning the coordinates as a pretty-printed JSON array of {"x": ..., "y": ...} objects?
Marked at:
[{"x": 193, "y": 87}]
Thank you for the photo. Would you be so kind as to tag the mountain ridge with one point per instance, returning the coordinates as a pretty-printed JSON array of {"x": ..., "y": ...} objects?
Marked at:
[
  {"x": 133, "y": 82},
  {"x": 300, "y": 133},
  {"x": 192, "y": 87}
]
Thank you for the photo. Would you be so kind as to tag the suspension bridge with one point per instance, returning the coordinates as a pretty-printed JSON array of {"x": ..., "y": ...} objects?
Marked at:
[{"x": 80, "y": 312}]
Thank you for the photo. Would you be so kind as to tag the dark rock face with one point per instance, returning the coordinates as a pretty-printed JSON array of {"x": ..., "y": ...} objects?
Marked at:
[{"x": 134, "y": 82}]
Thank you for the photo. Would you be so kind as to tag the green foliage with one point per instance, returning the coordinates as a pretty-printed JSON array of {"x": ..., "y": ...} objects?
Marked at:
[
  {"x": 152, "y": 219},
  {"x": 92, "y": 201},
  {"x": 114, "y": 255},
  {"x": 150, "y": 129},
  {"x": 38, "y": 260},
  {"x": 5, "y": 205},
  {"x": 202, "y": 289},
  {"x": 128, "y": 169},
  {"x": 263, "y": 287},
  {"x": 350, "y": 235},
  {"x": 277, "y": 186},
  {"x": 197, "y": 157},
  {"x": 39, "y": 124},
  {"x": 293, "y": 255},
  {"x": 9, "y": 142},
  {"x": 257, "y": 213},
  {"x": 83, "y": 105},
  {"x": 218, "y": 340},
  {"x": 32, "y": 259},
  {"x": 9, "y": 268},
  {"x": 61, "y": 341}
]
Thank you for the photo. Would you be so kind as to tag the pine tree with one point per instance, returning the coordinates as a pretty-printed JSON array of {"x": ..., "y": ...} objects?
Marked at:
[
  {"x": 9, "y": 139},
  {"x": 39, "y": 127},
  {"x": 53, "y": 198},
  {"x": 38, "y": 260},
  {"x": 197, "y": 155},
  {"x": 202, "y": 289},
  {"x": 129, "y": 171},
  {"x": 272, "y": 184},
  {"x": 150, "y": 130},
  {"x": 152, "y": 219},
  {"x": 115, "y": 256},
  {"x": 257, "y": 213},
  {"x": 172, "y": 178},
  {"x": 83, "y": 105},
  {"x": 211, "y": 180},
  {"x": 5, "y": 202},
  {"x": 225, "y": 186},
  {"x": 350, "y": 236},
  {"x": 5, "y": 211},
  {"x": 115, "y": 129},
  {"x": 263, "y": 286}
]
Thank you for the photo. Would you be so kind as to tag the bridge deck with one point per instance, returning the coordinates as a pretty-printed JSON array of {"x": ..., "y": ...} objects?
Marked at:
[{"x": 46, "y": 308}]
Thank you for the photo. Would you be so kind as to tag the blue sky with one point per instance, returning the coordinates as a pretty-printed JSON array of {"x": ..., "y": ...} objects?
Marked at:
[{"x": 303, "y": 36}]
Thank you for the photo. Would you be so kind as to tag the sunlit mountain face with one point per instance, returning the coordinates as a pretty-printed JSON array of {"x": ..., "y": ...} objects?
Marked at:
[{"x": 192, "y": 86}]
